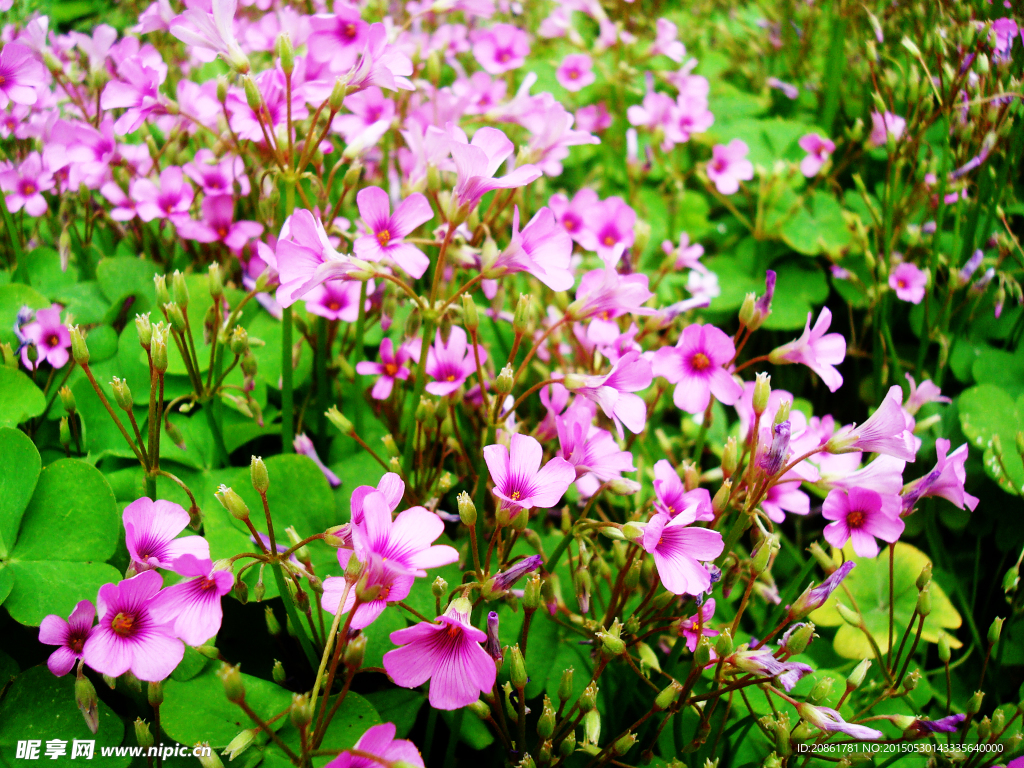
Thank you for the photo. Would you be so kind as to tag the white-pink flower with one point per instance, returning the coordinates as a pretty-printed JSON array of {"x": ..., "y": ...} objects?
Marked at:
[{"x": 729, "y": 166}]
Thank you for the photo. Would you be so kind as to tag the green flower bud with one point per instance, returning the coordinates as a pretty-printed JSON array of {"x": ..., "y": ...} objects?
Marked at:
[
  {"x": 239, "y": 744},
  {"x": 207, "y": 757},
  {"x": 234, "y": 689},
  {"x": 286, "y": 52},
  {"x": 783, "y": 413},
  {"x": 769, "y": 546},
  {"x": 232, "y": 502},
  {"x": 273, "y": 625},
  {"x": 64, "y": 431},
  {"x": 800, "y": 639},
  {"x": 252, "y": 94},
  {"x": 518, "y": 669},
  {"x": 632, "y": 532},
  {"x": 340, "y": 421},
  {"x": 546, "y": 723},
  {"x": 175, "y": 317},
  {"x": 667, "y": 696},
  {"x": 856, "y": 677},
  {"x": 215, "y": 279},
  {"x": 762, "y": 391},
  {"x": 258, "y": 473},
  {"x": 995, "y": 630},
  {"x": 239, "y": 341},
  {"x": 730, "y": 458},
  {"x": 588, "y": 699},
  {"x": 723, "y": 643},
  {"x": 142, "y": 734},
  {"x": 174, "y": 434},
  {"x": 301, "y": 712},
  {"x": 821, "y": 690},
  {"x": 911, "y": 680},
  {"x": 925, "y": 577},
  {"x": 79, "y": 349},
  {"x": 592, "y": 727},
  {"x": 470, "y": 317},
  {"x": 568, "y": 745},
  {"x": 158, "y": 349},
  {"x": 850, "y": 616},
  {"x": 503, "y": 383},
  {"x": 702, "y": 655},
  {"x": 467, "y": 509},
  {"x": 974, "y": 703},
  {"x": 521, "y": 318},
  {"x": 163, "y": 296},
  {"x": 746, "y": 314},
  {"x": 624, "y": 744},
  {"x": 88, "y": 703},
  {"x": 278, "y": 672},
  {"x": 155, "y": 693},
  {"x": 439, "y": 588},
  {"x": 480, "y": 709},
  {"x": 924, "y": 601},
  {"x": 611, "y": 645},
  {"x": 67, "y": 399},
  {"x": 334, "y": 103},
  {"x": 532, "y": 592},
  {"x": 180, "y": 288},
  {"x": 944, "y": 650},
  {"x": 241, "y": 591},
  {"x": 122, "y": 394},
  {"x": 721, "y": 499}
]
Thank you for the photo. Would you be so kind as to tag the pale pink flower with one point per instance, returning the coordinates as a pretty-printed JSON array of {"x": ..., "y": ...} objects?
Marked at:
[
  {"x": 884, "y": 126},
  {"x": 920, "y": 394},
  {"x": 885, "y": 431},
  {"x": 591, "y": 450},
  {"x": 477, "y": 162},
  {"x": 218, "y": 224},
  {"x": 729, "y": 166},
  {"x": 501, "y": 48},
  {"x": 49, "y": 336},
  {"x": 613, "y": 391},
  {"x": 520, "y": 482},
  {"x": 695, "y": 366},
  {"x": 679, "y": 552},
  {"x": 304, "y": 447},
  {"x": 392, "y": 366},
  {"x": 909, "y": 282},
  {"x": 380, "y": 742},
  {"x": 25, "y": 185},
  {"x": 21, "y": 73},
  {"x": 170, "y": 200},
  {"x": 687, "y": 255},
  {"x": 672, "y": 498},
  {"x": 818, "y": 350},
  {"x": 306, "y": 258},
  {"x": 452, "y": 363},
  {"x": 385, "y": 230},
  {"x": 818, "y": 149},
  {"x": 151, "y": 531},
  {"x": 337, "y": 38},
  {"x": 665, "y": 42},
  {"x": 543, "y": 249},
  {"x": 575, "y": 72},
  {"x": 192, "y": 606}
]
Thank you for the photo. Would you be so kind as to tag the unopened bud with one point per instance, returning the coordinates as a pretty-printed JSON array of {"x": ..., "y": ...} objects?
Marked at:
[
  {"x": 340, "y": 421},
  {"x": 252, "y": 94},
  {"x": 995, "y": 630},
  {"x": 175, "y": 317},
  {"x": 467, "y": 509},
  {"x": 337, "y": 97},
  {"x": 924, "y": 601},
  {"x": 239, "y": 744},
  {"x": 286, "y": 52},
  {"x": 145, "y": 329},
  {"x": 88, "y": 703},
  {"x": 232, "y": 502},
  {"x": 724, "y": 644},
  {"x": 503, "y": 384},
  {"x": 521, "y": 318},
  {"x": 470, "y": 317},
  {"x": 122, "y": 394},
  {"x": 730, "y": 458},
  {"x": 667, "y": 696},
  {"x": 234, "y": 689},
  {"x": 355, "y": 651},
  {"x": 546, "y": 723},
  {"x": 850, "y": 616},
  {"x": 143, "y": 736},
  {"x": 746, "y": 314},
  {"x": 64, "y": 431},
  {"x": 592, "y": 726},
  {"x": 273, "y": 625},
  {"x": 518, "y": 669},
  {"x": 911, "y": 680},
  {"x": 532, "y": 592},
  {"x": 180, "y": 289},
  {"x": 721, "y": 499},
  {"x": 702, "y": 654},
  {"x": 258, "y": 473},
  {"x": 163, "y": 296},
  {"x": 624, "y": 744},
  {"x": 944, "y": 650},
  {"x": 79, "y": 349},
  {"x": 925, "y": 577}
]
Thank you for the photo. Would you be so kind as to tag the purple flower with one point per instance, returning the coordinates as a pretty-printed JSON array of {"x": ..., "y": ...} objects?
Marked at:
[
  {"x": 771, "y": 461},
  {"x": 70, "y": 635},
  {"x": 609, "y": 224},
  {"x": 25, "y": 185},
  {"x": 306, "y": 258},
  {"x": 909, "y": 282},
  {"x": 49, "y": 336},
  {"x": 948, "y": 724},
  {"x": 476, "y": 163},
  {"x": 493, "y": 644},
  {"x": 520, "y": 482},
  {"x": 818, "y": 350},
  {"x": 452, "y": 363},
  {"x": 818, "y": 149},
  {"x": 336, "y": 299},
  {"x": 789, "y": 90},
  {"x": 762, "y": 662},
  {"x": 696, "y": 626},
  {"x": 946, "y": 480},
  {"x": 591, "y": 450},
  {"x": 729, "y": 166},
  {"x": 885, "y": 431},
  {"x": 679, "y": 552},
  {"x": 613, "y": 392},
  {"x": 504, "y": 581},
  {"x": 128, "y": 637},
  {"x": 218, "y": 224},
  {"x": 392, "y": 366},
  {"x": 829, "y": 720},
  {"x": 304, "y": 447},
  {"x": 170, "y": 200},
  {"x": 672, "y": 498},
  {"x": 543, "y": 249},
  {"x": 386, "y": 230},
  {"x": 20, "y": 74},
  {"x": 150, "y": 528},
  {"x": 380, "y": 742},
  {"x": 575, "y": 72},
  {"x": 192, "y": 606},
  {"x": 501, "y": 48},
  {"x": 695, "y": 366},
  {"x": 814, "y": 597},
  {"x": 884, "y": 126},
  {"x": 861, "y": 515}
]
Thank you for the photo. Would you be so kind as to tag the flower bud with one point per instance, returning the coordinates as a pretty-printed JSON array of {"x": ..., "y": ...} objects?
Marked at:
[
  {"x": 470, "y": 317},
  {"x": 911, "y": 680},
  {"x": 610, "y": 644},
  {"x": 517, "y": 673},
  {"x": 252, "y": 94},
  {"x": 340, "y": 421},
  {"x": 174, "y": 434},
  {"x": 592, "y": 726},
  {"x": 582, "y": 584},
  {"x": 667, "y": 696},
  {"x": 724, "y": 644},
  {"x": 769, "y": 546},
  {"x": 730, "y": 458},
  {"x": 158, "y": 349},
  {"x": 546, "y": 723},
  {"x": 503, "y": 383},
  {"x": 800, "y": 639},
  {"x": 155, "y": 693},
  {"x": 850, "y": 616},
  {"x": 762, "y": 391},
  {"x": 467, "y": 509},
  {"x": 943, "y": 646},
  {"x": 232, "y": 502},
  {"x": 215, "y": 279},
  {"x": 995, "y": 630},
  {"x": 439, "y": 588},
  {"x": 239, "y": 341},
  {"x": 521, "y": 318},
  {"x": 273, "y": 625},
  {"x": 79, "y": 349},
  {"x": 239, "y": 744},
  {"x": 821, "y": 690},
  {"x": 624, "y": 744},
  {"x": 258, "y": 473},
  {"x": 234, "y": 689},
  {"x": 925, "y": 577},
  {"x": 746, "y": 314},
  {"x": 64, "y": 432},
  {"x": 565, "y": 687},
  {"x": 721, "y": 499},
  {"x": 180, "y": 288},
  {"x": 278, "y": 672},
  {"x": 163, "y": 296},
  {"x": 334, "y": 103},
  {"x": 924, "y": 601},
  {"x": 355, "y": 651},
  {"x": 122, "y": 394},
  {"x": 67, "y": 399},
  {"x": 286, "y": 52},
  {"x": 175, "y": 317},
  {"x": 702, "y": 654},
  {"x": 783, "y": 413},
  {"x": 532, "y": 592},
  {"x": 974, "y": 703},
  {"x": 142, "y": 734},
  {"x": 568, "y": 745},
  {"x": 88, "y": 703}
]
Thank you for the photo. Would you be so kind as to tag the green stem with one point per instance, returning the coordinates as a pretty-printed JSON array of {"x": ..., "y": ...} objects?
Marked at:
[
  {"x": 321, "y": 381},
  {"x": 293, "y": 614},
  {"x": 287, "y": 383}
]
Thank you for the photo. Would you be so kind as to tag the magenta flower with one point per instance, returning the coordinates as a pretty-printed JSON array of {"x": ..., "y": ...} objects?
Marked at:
[
  {"x": 212, "y": 31},
  {"x": 337, "y": 38},
  {"x": 501, "y": 48},
  {"x": 170, "y": 200},
  {"x": 818, "y": 149},
  {"x": 476, "y": 163},
  {"x": 448, "y": 654},
  {"x": 571, "y": 214},
  {"x": 20, "y": 74},
  {"x": 666, "y": 44},
  {"x": 814, "y": 597},
  {"x": 49, "y": 336},
  {"x": 70, "y": 635},
  {"x": 137, "y": 92},
  {"x": 687, "y": 255},
  {"x": 392, "y": 366},
  {"x": 785, "y": 497},
  {"x": 218, "y": 224},
  {"x": 946, "y": 480},
  {"x": 520, "y": 482},
  {"x": 861, "y": 515},
  {"x": 366, "y": 108},
  {"x": 304, "y": 447},
  {"x": 306, "y": 258},
  {"x": 695, "y": 627},
  {"x": 452, "y": 363},
  {"x": 192, "y": 607},
  {"x": 394, "y": 552},
  {"x": 672, "y": 498},
  {"x": 128, "y": 638},
  {"x": 217, "y": 177},
  {"x": 679, "y": 552},
  {"x": 885, "y": 431},
  {"x": 274, "y": 110},
  {"x": 909, "y": 282},
  {"x": 386, "y": 230},
  {"x": 150, "y": 528},
  {"x": 729, "y": 166},
  {"x": 884, "y": 126},
  {"x": 25, "y": 185},
  {"x": 380, "y": 742},
  {"x": 609, "y": 223},
  {"x": 818, "y": 350},
  {"x": 542, "y": 249},
  {"x": 336, "y": 299},
  {"x": 604, "y": 294},
  {"x": 613, "y": 391},
  {"x": 831, "y": 721},
  {"x": 591, "y": 450},
  {"x": 694, "y": 365},
  {"x": 920, "y": 394},
  {"x": 575, "y": 72},
  {"x": 593, "y": 118},
  {"x": 381, "y": 64}
]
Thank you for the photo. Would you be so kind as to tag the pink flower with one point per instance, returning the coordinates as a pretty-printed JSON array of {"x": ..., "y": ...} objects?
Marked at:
[
  {"x": 696, "y": 626},
  {"x": 381, "y": 64},
  {"x": 218, "y": 224},
  {"x": 20, "y": 74},
  {"x": 367, "y": 108},
  {"x": 608, "y": 223},
  {"x": 476, "y": 163},
  {"x": 570, "y": 214},
  {"x": 337, "y": 38},
  {"x": 501, "y": 48},
  {"x": 884, "y": 126},
  {"x": 304, "y": 447},
  {"x": 380, "y": 742},
  {"x": 654, "y": 112},
  {"x": 386, "y": 230},
  {"x": 274, "y": 110},
  {"x": 672, "y": 498},
  {"x": 818, "y": 350},
  {"x": 123, "y": 206},
  {"x": 679, "y": 552},
  {"x": 885, "y": 431},
  {"x": 593, "y": 118},
  {"x": 192, "y": 606},
  {"x": 543, "y": 249},
  {"x": 729, "y": 166},
  {"x": 448, "y": 654},
  {"x": 818, "y": 149},
  {"x": 393, "y": 552},
  {"x": 785, "y": 497},
  {"x": 520, "y": 482},
  {"x": 150, "y": 531},
  {"x": 170, "y": 200},
  {"x": 306, "y": 258},
  {"x": 666, "y": 44},
  {"x": 128, "y": 637},
  {"x": 217, "y": 177},
  {"x": 336, "y": 300},
  {"x": 830, "y": 720},
  {"x": 212, "y": 31},
  {"x": 613, "y": 391},
  {"x": 694, "y": 365},
  {"x": 25, "y": 185},
  {"x": 49, "y": 336},
  {"x": 687, "y": 255},
  {"x": 920, "y": 394},
  {"x": 575, "y": 72},
  {"x": 946, "y": 480},
  {"x": 392, "y": 366},
  {"x": 70, "y": 635},
  {"x": 137, "y": 91},
  {"x": 605, "y": 294},
  {"x": 591, "y": 450},
  {"x": 884, "y": 474},
  {"x": 861, "y": 515},
  {"x": 909, "y": 282},
  {"x": 452, "y": 363},
  {"x": 762, "y": 662}
]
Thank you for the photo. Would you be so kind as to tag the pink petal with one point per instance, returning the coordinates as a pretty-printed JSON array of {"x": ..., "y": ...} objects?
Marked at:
[
  {"x": 157, "y": 656},
  {"x": 409, "y": 214},
  {"x": 61, "y": 661},
  {"x": 374, "y": 208}
]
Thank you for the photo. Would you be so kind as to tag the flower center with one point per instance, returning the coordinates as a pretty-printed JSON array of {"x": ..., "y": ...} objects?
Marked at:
[
  {"x": 390, "y": 369},
  {"x": 52, "y": 340},
  {"x": 384, "y": 237},
  {"x": 504, "y": 56},
  {"x": 207, "y": 584},
  {"x": 700, "y": 362},
  {"x": 350, "y": 31},
  {"x": 569, "y": 224},
  {"x": 574, "y": 75},
  {"x": 123, "y": 624},
  {"x": 450, "y": 377},
  {"x": 608, "y": 240},
  {"x": 76, "y": 644},
  {"x": 515, "y": 496},
  {"x": 222, "y": 231},
  {"x": 453, "y": 630},
  {"x": 901, "y": 283},
  {"x": 28, "y": 188},
  {"x": 334, "y": 306},
  {"x": 2, "y": 79},
  {"x": 855, "y": 519}
]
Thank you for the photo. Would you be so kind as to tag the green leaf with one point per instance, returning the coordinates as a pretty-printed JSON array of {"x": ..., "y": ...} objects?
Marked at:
[
  {"x": 299, "y": 495},
  {"x": 799, "y": 289},
  {"x": 20, "y": 398},
  {"x": 42, "y": 707},
  {"x": 1000, "y": 368},
  {"x": 85, "y": 301},
  {"x": 817, "y": 227},
  {"x": 197, "y": 710},
  {"x": 20, "y": 461},
  {"x": 399, "y": 706},
  {"x": 866, "y": 590},
  {"x": 42, "y": 588},
  {"x": 45, "y": 274},
  {"x": 378, "y": 635},
  {"x": 987, "y": 411},
  {"x": 124, "y": 276},
  {"x": 102, "y": 437}
]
